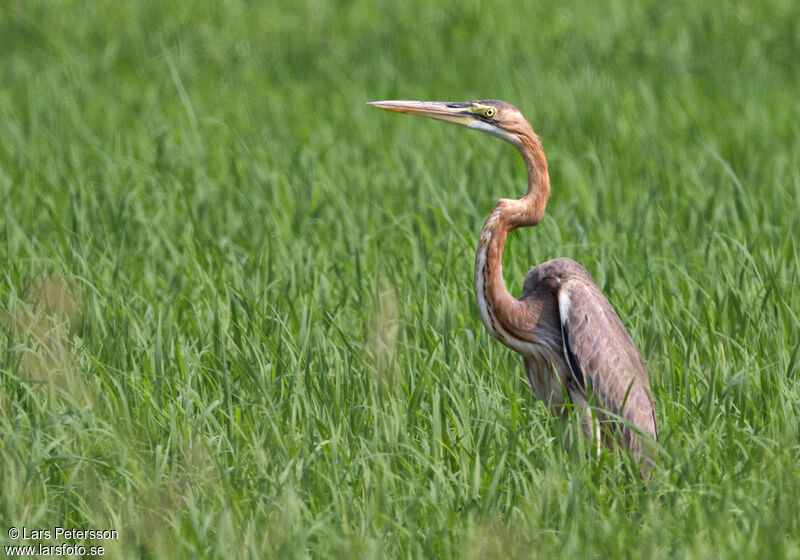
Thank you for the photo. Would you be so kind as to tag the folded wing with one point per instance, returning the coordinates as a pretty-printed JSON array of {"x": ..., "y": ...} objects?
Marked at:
[{"x": 607, "y": 367}]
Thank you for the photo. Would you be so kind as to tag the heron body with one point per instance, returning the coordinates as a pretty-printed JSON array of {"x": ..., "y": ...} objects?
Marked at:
[{"x": 573, "y": 345}]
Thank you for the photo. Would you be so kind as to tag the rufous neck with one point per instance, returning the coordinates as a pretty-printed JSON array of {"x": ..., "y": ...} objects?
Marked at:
[
  {"x": 500, "y": 311},
  {"x": 535, "y": 199}
]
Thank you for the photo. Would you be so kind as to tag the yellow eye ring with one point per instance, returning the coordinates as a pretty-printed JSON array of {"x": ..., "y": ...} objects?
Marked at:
[{"x": 490, "y": 112}]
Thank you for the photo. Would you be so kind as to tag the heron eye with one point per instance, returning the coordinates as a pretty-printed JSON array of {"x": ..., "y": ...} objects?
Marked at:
[{"x": 490, "y": 112}]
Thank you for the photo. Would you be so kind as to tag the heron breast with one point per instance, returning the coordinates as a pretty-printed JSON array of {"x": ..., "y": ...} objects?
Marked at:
[{"x": 546, "y": 375}]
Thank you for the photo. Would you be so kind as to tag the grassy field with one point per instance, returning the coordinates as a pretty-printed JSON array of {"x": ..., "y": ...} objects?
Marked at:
[{"x": 236, "y": 308}]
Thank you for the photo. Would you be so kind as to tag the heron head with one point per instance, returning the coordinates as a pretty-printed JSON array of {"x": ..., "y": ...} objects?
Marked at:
[{"x": 498, "y": 118}]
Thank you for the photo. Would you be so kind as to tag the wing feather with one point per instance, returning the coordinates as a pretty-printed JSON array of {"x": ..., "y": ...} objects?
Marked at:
[{"x": 602, "y": 355}]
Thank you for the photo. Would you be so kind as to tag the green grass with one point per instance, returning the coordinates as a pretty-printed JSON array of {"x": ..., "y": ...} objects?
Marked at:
[{"x": 237, "y": 316}]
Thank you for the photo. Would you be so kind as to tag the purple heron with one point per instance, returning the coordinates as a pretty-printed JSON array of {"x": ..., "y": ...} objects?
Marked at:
[{"x": 573, "y": 345}]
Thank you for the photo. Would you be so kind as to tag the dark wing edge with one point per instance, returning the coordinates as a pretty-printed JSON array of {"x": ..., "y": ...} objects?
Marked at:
[{"x": 602, "y": 356}]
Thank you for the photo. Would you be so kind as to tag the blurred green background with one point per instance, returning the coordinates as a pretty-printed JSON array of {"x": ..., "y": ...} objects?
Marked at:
[{"x": 237, "y": 316}]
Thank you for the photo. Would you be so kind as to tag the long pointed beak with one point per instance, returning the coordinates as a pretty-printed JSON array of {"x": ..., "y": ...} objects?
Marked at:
[{"x": 456, "y": 113}]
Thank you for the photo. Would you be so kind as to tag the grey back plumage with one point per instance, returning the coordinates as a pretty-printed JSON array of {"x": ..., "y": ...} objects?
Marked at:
[{"x": 606, "y": 366}]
